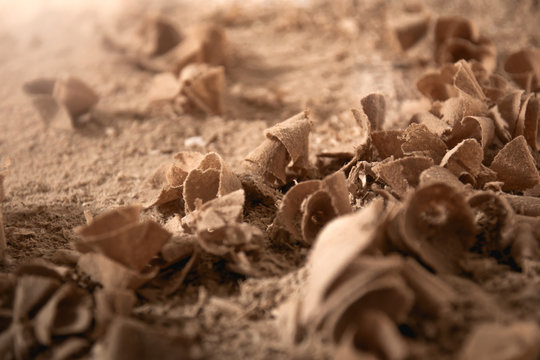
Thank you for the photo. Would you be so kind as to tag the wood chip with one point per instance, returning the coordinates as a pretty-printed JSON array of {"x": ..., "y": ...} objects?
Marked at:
[
  {"x": 309, "y": 205},
  {"x": 166, "y": 185},
  {"x": 31, "y": 293},
  {"x": 61, "y": 101},
  {"x": 204, "y": 87},
  {"x": 411, "y": 30},
  {"x": 515, "y": 166},
  {"x": 465, "y": 160},
  {"x": 438, "y": 227},
  {"x": 419, "y": 141},
  {"x": 457, "y": 38},
  {"x": 68, "y": 312},
  {"x": 111, "y": 274},
  {"x": 402, "y": 174},
  {"x": 388, "y": 143},
  {"x": 219, "y": 230},
  {"x": 285, "y": 142},
  {"x": 338, "y": 244},
  {"x": 121, "y": 236},
  {"x": 374, "y": 106},
  {"x": 524, "y": 68},
  {"x": 111, "y": 303},
  {"x": 211, "y": 179},
  {"x": 480, "y": 128}
]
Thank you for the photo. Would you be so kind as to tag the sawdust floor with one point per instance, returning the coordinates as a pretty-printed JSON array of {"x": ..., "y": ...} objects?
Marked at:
[{"x": 55, "y": 176}]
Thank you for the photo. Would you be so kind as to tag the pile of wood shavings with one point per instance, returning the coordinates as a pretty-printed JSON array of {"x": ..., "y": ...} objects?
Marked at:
[{"x": 394, "y": 224}]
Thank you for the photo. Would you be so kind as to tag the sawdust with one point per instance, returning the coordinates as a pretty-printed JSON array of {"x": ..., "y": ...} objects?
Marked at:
[{"x": 323, "y": 56}]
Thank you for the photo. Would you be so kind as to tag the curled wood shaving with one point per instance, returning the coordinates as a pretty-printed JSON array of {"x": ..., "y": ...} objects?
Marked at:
[
  {"x": 457, "y": 38},
  {"x": 437, "y": 225},
  {"x": 438, "y": 86},
  {"x": 357, "y": 298},
  {"x": 204, "y": 87},
  {"x": 480, "y": 128},
  {"x": 157, "y": 35},
  {"x": 200, "y": 87},
  {"x": 515, "y": 166},
  {"x": 204, "y": 43},
  {"x": 111, "y": 274},
  {"x": 411, "y": 29},
  {"x": 285, "y": 143},
  {"x": 166, "y": 185},
  {"x": 465, "y": 160},
  {"x": 520, "y": 113},
  {"x": 121, "y": 236},
  {"x": 524, "y": 68},
  {"x": 215, "y": 228},
  {"x": 509, "y": 108},
  {"x": 455, "y": 109},
  {"x": 179, "y": 248},
  {"x": 111, "y": 303},
  {"x": 402, "y": 174},
  {"x": 211, "y": 179},
  {"x": 419, "y": 141},
  {"x": 42, "y": 310},
  {"x": 457, "y": 86},
  {"x": 438, "y": 174},
  {"x": 309, "y": 205},
  {"x": 388, "y": 143},
  {"x": 374, "y": 106},
  {"x": 61, "y": 101},
  {"x": 338, "y": 244},
  {"x": 495, "y": 87},
  {"x": 221, "y": 233},
  {"x": 494, "y": 221},
  {"x": 157, "y": 44},
  {"x": 432, "y": 123},
  {"x": 152, "y": 35},
  {"x": 525, "y": 205},
  {"x": 67, "y": 312},
  {"x": 31, "y": 293},
  {"x": 524, "y": 246},
  {"x": 189, "y": 177}
]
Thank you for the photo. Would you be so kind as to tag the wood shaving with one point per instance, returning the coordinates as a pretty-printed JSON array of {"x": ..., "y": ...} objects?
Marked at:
[
  {"x": 457, "y": 38},
  {"x": 309, "y": 205},
  {"x": 515, "y": 166},
  {"x": 411, "y": 29},
  {"x": 122, "y": 237},
  {"x": 60, "y": 102},
  {"x": 286, "y": 142},
  {"x": 437, "y": 226},
  {"x": 524, "y": 68},
  {"x": 157, "y": 44},
  {"x": 406, "y": 228}
]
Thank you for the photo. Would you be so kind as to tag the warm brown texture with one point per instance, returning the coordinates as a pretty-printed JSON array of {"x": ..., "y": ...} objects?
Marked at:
[
  {"x": 415, "y": 233},
  {"x": 61, "y": 101}
]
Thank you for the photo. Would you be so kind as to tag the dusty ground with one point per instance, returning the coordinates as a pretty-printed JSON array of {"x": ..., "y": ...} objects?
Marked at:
[{"x": 316, "y": 57}]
